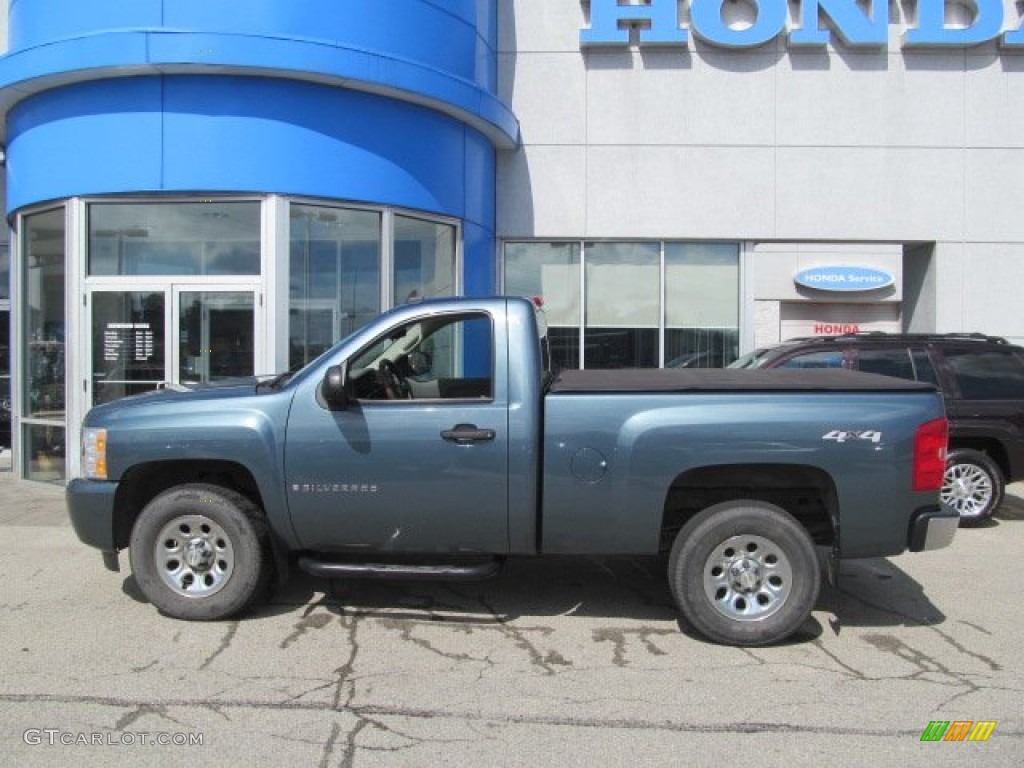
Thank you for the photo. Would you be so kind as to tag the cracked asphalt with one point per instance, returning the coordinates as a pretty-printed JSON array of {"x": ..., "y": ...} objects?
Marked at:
[{"x": 555, "y": 662}]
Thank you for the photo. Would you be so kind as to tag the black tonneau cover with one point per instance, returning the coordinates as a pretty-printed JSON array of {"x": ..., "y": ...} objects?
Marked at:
[{"x": 729, "y": 380}]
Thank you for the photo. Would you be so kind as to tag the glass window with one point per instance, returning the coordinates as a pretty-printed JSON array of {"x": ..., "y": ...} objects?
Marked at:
[
  {"x": 622, "y": 294},
  {"x": 5, "y": 379},
  {"x": 564, "y": 346},
  {"x": 424, "y": 253},
  {"x": 449, "y": 358},
  {"x": 702, "y": 305},
  {"x": 550, "y": 271},
  {"x": 216, "y": 337},
  {"x": 5, "y": 267},
  {"x": 43, "y": 323},
  {"x": 988, "y": 375},
  {"x": 5, "y": 345},
  {"x": 623, "y": 301},
  {"x": 753, "y": 359},
  {"x": 334, "y": 282},
  {"x": 127, "y": 343},
  {"x": 832, "y": 358},
  {"x": 43, "y": 449},
  {"x": 213, "y": 238},
  {"x": 923, "y": 368},
  {"x": 887, "y": 362}
]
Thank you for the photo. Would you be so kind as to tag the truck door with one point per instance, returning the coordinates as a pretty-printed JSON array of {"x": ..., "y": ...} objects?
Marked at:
[{"x": 418, "y": 461}]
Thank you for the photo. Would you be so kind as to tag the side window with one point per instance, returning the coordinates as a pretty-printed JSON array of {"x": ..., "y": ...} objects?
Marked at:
[
  {"x": 923, "y": 367},
  {"x": 456, "y": 359},
  {"x": 987, "y": 375},
  {"x": 436, "y": 358},
  {"x": 832, "y": 358},
  {"x": 887, "y": 362}
]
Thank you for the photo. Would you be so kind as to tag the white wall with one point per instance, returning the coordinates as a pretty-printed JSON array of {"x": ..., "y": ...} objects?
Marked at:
[
  {"x": 980, "y": 287},
  {"x": 773, "y": 144}
]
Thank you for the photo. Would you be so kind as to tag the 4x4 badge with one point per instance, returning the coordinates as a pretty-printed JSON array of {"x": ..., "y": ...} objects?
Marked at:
[{"x": 842, "y": 435}]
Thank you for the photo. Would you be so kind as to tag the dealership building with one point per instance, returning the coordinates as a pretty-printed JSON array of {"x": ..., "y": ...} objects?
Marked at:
[{"x": 200, "y": 190}]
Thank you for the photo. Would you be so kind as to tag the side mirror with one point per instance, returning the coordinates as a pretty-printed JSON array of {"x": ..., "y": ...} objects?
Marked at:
[{"x": 335, "y": 387}]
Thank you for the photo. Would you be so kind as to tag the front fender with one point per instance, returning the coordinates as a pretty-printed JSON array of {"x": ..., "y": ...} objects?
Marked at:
[{"x": 246, "y": 431}]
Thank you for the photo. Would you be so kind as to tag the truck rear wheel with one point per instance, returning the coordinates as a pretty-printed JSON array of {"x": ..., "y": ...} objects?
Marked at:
[
  {"x": 744, "y": 573},
  {"x": 199, "y": 552}
]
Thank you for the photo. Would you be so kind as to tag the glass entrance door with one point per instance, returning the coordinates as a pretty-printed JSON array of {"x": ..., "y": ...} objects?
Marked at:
[
  {"x": 216, "y": 335},
  {"x": 160, "y": 334},
  {"x": 128, "y": 343}
]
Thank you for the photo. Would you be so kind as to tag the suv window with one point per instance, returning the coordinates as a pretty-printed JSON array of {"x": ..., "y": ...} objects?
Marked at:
[
  {"x": 986, "y": 375},
  {"x": 924, "y": 368},
  {"x": 903, "y": 363},
  {"x": 831, "y": 358},
  {"x": 887, "y": 362}
]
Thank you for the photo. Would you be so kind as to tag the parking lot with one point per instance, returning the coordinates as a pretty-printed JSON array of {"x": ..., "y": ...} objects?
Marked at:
[{"x": 562, "y": 662}]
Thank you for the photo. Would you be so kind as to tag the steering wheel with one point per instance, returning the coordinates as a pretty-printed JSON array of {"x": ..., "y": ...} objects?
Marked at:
[{"x": 394, "y": 383}]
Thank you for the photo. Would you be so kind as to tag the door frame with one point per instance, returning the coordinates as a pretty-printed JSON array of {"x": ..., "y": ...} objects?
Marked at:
[
  {"x": 172, "y": 290},
  {"x": 177, "y": 288},
  {"x": 88, "y": 365},
  {"x": 81, "y": 397}
]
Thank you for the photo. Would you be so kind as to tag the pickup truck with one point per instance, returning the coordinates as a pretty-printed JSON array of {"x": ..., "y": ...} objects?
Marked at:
[{"x": 435, "y": 443}]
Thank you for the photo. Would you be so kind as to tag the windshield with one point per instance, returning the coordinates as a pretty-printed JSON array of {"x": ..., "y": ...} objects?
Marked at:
[
  {"x": 276, "y": 381},
  {"x": 751, "y": 359}
]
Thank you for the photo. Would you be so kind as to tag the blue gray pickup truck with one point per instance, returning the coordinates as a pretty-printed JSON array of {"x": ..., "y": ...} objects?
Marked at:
[{"x": 435, "y": 443}]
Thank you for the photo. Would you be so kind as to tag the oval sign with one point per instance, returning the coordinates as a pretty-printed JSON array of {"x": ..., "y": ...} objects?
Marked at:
[{"x": 844, "y": 278}]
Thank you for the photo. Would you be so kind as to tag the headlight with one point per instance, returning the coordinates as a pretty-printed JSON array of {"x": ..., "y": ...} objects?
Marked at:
[{"x": 94, "y": 453}]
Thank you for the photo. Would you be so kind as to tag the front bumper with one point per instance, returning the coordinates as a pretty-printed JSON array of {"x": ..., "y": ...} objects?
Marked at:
[
  {"x": 933, "y": 528},
  {"x": 91, "y": 508}
]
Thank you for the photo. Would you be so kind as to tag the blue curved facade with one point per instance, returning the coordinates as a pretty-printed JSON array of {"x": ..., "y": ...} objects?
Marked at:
[
  {"x": 339, "y": 99},
  {"x": 225, "y": 134},
  {"x": 242, "y": 182}
]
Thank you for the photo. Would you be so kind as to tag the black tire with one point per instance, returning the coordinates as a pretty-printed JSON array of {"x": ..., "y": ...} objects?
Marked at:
[
  {"x": 744, "y": 573},
  {"x": 973, "y": 485},
  {"x": 200, "y": 552}
]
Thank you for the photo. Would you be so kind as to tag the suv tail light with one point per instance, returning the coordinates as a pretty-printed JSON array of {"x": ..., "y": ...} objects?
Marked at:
[{"x": 930, "y": 455}]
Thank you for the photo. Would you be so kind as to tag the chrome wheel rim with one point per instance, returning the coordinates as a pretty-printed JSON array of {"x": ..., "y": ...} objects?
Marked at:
[
  {"x": 747, "y": 578},
  {"x": 967, "y": 488},
  {"x": 194, "y": 556}
]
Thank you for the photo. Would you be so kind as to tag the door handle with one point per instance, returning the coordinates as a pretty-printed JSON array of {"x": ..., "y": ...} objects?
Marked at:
[{"x": 464, "y": 434}]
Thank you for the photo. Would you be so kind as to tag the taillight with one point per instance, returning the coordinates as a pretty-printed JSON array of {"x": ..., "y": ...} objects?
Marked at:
[{"x": 930, "y": 455}]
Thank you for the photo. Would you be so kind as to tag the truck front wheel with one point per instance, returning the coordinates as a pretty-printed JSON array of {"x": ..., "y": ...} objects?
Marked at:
[
  {"x": 199, "y": 552},
  {"x": 744, "y": 573}
]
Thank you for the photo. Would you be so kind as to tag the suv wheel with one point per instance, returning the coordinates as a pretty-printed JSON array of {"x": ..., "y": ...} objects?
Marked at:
[{"x": 973, "y": 485}]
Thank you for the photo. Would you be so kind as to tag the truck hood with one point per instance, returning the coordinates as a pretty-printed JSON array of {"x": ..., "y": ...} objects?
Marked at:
[{"x": 175, "y": 397}]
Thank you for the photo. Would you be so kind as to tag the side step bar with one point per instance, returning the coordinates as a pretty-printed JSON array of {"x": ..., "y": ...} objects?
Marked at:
[{"x": 400, "y": 571}]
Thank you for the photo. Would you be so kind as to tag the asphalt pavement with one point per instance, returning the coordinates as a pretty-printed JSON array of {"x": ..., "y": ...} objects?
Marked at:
[{"x": 564, "y": 662}]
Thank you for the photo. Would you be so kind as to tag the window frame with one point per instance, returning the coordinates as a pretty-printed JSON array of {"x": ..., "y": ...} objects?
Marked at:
[
  {"x": 580, "y": 327},
  {"x": 954, "y": 376},
  {"x": 453, "y": 318}
]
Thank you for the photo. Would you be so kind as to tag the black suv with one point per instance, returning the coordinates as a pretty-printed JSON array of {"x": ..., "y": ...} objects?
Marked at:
[{"x": 981, "y": 379}]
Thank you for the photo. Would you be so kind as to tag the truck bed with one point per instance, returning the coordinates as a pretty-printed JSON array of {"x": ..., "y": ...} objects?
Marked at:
[{"x": 728, "y": 380}]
